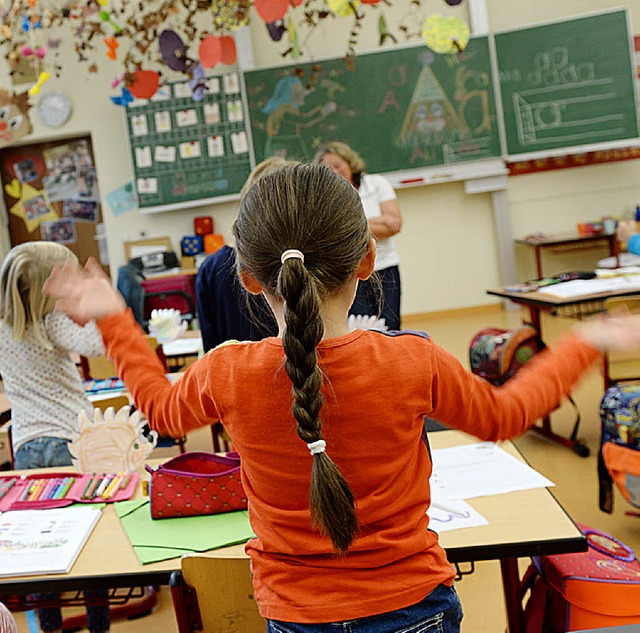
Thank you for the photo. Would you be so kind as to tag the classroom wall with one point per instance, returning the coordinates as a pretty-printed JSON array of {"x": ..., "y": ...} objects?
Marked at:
[{"x": 448, "y": 247}]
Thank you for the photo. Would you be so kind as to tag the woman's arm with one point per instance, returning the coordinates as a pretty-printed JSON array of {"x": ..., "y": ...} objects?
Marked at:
[{"x": 389, "y": 223}]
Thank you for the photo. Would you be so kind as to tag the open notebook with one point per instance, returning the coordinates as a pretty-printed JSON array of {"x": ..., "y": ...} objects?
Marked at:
[{"x": 35, "y": 542}]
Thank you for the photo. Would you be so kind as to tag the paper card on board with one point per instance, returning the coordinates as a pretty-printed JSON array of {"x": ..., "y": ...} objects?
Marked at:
[
  {"x": 147, "y": 185},
  {"x": 213, "y": 85},
  {"x": 165, "y": 154},
  {"x": 211, "y": 113},
  {"x": 234, "y": 110},
  {"x": 182, "y": 90},
  {"x": 231, "y": 83},
  {"x": 215, "y": 146},
  {"x": 143, "y": 156},
  {"x": 239, "y": 143},
  {"x": 139, "y": 125},
  {"x": 186, "y": 117},
  {"x": 162, "y": 121},
  {"x": 190, "y": 149}
]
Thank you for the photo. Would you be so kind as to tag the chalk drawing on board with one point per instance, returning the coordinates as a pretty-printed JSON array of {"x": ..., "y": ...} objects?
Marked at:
[
  {"x": 432, "y": 118},
  {"x": 286, "y": 117},
  {"x": 541, "y": 113}
]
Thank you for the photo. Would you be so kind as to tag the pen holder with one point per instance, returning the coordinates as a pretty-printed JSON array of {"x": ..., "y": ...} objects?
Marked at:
[{"x": 55, "y": 490}]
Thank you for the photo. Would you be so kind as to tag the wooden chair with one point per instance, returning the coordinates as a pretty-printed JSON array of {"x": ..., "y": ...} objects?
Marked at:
[
  {"x": 212, "y": 593},
  {"x": 100, "y": 368},
  {"x": 621, "y": 366}
]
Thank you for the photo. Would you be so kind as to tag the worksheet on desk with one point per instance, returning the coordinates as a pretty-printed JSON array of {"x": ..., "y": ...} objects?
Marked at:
[
  {"x": 584, "y": 287},
  {"x": 479, "y": 470}
]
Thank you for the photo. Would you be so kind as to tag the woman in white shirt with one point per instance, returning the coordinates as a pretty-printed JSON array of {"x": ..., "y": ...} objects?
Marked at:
[{"x": 382, "y": 210}]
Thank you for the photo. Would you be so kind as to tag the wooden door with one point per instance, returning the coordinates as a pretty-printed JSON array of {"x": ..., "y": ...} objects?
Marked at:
[{"x": 51, "y": 193}]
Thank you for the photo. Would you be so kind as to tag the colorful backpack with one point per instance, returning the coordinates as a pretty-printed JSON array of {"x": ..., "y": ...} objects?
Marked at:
[
  {"x": 593, "y": 589},
  {"x": 497, "y": 354},
  {"x": 619, "y": 456}
]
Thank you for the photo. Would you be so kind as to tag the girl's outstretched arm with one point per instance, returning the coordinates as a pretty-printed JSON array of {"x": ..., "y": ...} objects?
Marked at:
[{"x": 84, "y": 294}]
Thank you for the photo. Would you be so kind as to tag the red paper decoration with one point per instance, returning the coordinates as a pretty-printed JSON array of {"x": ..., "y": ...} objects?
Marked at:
[
  {"x": 271, "y": 10},
  {"x": 145, "y": 84},
  {"x": 210, "y": 51}
]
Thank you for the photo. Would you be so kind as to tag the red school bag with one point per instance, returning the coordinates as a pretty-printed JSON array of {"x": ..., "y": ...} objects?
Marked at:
[{"x": 593, "y": 589}]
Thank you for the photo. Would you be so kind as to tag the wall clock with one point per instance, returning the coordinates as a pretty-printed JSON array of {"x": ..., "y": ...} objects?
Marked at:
[{"x": 54, "y": 108}]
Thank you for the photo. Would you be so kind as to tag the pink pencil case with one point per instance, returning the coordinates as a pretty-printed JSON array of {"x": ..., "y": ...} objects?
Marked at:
[{"x": 55, "y": 490}]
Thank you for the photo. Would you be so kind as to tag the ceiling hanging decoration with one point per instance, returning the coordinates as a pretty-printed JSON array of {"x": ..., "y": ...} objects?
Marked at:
[{"x": 141, "y": 38}]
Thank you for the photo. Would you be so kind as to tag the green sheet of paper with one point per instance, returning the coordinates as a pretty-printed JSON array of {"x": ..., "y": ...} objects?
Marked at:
[{"x": 162, "y": 539}]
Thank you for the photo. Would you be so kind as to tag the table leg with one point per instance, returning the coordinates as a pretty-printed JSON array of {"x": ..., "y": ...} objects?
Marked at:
[
  {"x": 538, "y": 250},
  {"x": 511, "y": 587}
]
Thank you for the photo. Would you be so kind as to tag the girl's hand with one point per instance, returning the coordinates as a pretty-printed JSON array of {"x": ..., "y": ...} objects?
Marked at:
[
  {"x": 83, "y": 294},
  {"x": 625, "y": 229},
  {"x": 618, "y": 331}
]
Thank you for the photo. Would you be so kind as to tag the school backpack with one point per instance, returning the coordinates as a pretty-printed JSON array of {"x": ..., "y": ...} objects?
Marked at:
[
  {"x": 619, "y": 455},
  {"x": 593, "y": 589},
  {"x": 497, "y": 354}
]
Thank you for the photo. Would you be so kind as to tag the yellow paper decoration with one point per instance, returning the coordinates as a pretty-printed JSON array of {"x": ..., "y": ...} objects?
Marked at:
[
  {"x": 445, "y": 35},
  {"x": 343, "y": 8},
  {"x": 230, "y": 14},
  {"x": 33, "y": 207}
]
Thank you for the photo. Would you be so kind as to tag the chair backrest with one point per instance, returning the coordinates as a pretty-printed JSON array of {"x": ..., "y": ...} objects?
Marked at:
[
  {"x": 622, "y": 366},
  {"x": 223, "y": 592},
  {"x": 117, "y": 402}
]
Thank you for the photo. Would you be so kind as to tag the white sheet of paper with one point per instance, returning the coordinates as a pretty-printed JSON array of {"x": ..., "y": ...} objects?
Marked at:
[
  {"x": 455, "y": 514},
  {"x": 582, "y": 287},
  {"x": 143, "y": 156},
  {"x": 182, "y": 346},
  {"x": 213, "y": 85},
  {"x": 190, "y": 149},
  {"x": 479, "y": 470}
]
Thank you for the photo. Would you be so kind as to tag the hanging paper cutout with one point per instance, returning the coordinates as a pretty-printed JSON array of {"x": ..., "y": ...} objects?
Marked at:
[
  {"x": 124, "y": 99},
  {"x": 271, "y": 10},
  {"x": 229, "y": 52},
  {"x": 33, "y": 207},
  {"x": 343, "y": 8},
  {"x": 445, "y": 35},
  {"x": 210, "y": 51},
  {"x": 143, "y": 84},
  {"x": 173, "y": 50},
  {"x": 14, "y": 117},
  {"x": 230, "y": 14}
]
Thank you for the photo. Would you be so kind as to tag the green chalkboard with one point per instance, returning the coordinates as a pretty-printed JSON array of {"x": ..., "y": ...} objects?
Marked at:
[
  {"x": 185, "y": 151},
  {"x": 400, "y": 109},
  {"x": 567, "y": 84}
]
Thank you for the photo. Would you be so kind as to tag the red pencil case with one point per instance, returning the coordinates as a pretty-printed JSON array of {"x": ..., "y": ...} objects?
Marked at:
[{"x": 15, "y": 496}]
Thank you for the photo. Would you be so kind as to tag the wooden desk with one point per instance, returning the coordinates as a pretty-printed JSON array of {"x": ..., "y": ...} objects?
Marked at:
[
  {"x": 521, "y": 524},
  {"x": 567, "y": 243}
]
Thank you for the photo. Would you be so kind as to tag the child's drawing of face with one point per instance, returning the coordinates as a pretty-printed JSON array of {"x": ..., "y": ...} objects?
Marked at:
[{"x": 14, "y": 118}]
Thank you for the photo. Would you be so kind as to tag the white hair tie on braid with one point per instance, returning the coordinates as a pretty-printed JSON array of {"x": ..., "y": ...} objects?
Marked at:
[
  {"x": 292, "y": 253},
  {"x": 319, "y": 446}
]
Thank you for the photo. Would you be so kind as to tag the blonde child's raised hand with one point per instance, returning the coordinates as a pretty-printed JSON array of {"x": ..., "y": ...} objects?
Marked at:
[
  {"x": 625, "y": 229},
  {"x": 614, "y": 332},
  {"x": 83, "y": 293}
]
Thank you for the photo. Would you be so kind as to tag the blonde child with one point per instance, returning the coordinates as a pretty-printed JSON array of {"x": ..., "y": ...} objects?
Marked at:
[
  {"x": 39, "y": 377},
  {"x": 342, "y": 535}
]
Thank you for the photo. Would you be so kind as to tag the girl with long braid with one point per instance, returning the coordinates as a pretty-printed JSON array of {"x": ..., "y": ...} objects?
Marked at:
[{"x": 329, "y": 423}]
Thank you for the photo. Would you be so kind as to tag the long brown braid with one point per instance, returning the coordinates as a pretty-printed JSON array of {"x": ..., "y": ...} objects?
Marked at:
[{"x": 308, "y": 208}]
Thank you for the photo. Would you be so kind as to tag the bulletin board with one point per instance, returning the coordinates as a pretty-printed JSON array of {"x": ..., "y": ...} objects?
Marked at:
[
  {"x": 401, "y": 109},
  {"x": 50, "y": 192},
  {"x": 567, "y": 84},
  {"x": 187, "y": 152}
]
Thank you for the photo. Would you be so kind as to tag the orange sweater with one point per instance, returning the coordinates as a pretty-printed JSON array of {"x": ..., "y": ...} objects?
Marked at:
[{"x": 378, "y": 388}]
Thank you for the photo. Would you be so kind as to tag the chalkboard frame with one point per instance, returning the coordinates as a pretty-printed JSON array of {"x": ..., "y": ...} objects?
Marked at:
[{"x": 510, "y": 149}]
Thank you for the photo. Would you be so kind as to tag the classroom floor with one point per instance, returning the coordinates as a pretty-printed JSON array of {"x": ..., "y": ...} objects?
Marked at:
[{"x": 575, "y": 477}]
